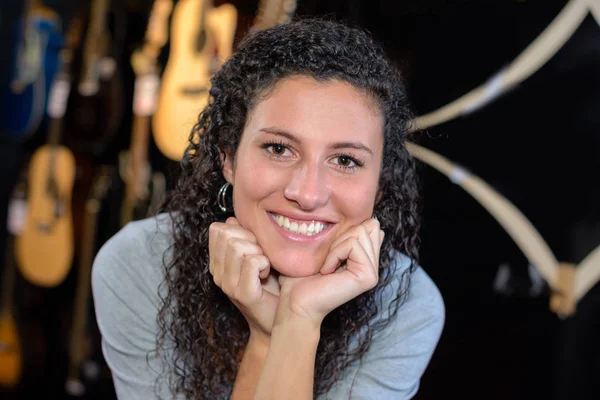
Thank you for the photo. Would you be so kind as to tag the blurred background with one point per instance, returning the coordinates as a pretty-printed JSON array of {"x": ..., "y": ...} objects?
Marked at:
[{"x": 88, "y": 160}]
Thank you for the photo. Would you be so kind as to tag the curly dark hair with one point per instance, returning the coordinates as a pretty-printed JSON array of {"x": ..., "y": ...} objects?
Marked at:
[{"x": 208, "y": 332}]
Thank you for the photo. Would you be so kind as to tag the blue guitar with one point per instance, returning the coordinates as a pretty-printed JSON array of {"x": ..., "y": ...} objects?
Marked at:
[{"x": 36, "y": 61}]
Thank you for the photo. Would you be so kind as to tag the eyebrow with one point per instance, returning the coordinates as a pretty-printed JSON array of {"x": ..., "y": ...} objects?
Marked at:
[{"x": 338, "y": 145}]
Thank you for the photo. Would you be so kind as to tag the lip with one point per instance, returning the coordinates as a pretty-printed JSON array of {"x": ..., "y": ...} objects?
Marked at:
[
  {"x": 297, "y": 237},
  {"x": 301, "y": 217}
]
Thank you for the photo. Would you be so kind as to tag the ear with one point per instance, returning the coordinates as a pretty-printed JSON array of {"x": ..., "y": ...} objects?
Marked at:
[
  {"x": 378, "y": 197},
  {"x": 227, "y": 166}
]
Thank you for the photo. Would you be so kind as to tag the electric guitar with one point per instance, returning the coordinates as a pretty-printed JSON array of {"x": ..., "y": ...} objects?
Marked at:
[
  {"x": 80, "y": 345},
  {"x": 135, "y": 170},
  {"x": 95, "y": 107},
  {"x": 202, "y": 39},
  {"x": 10, "y": 344},
  {"x": 36, "y": 62},
  {"x": 44, "y": 250}
]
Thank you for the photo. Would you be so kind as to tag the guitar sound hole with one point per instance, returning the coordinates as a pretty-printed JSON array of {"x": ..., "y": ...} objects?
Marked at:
[
  {"x": 44, "y": 227},
  {"x": 193, "y": 91}
]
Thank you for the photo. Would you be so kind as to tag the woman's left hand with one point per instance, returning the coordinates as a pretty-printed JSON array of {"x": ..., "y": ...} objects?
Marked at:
[{"x": 315, "y": 296}]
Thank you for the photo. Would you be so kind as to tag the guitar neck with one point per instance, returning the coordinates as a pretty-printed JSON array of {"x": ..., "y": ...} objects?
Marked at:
[
  {"x": 15, "y": 221},
  {"x": 77, "y": 350},
  {"x": 91, "y": 53},
  {"x": 273, "y": 12},
  {"x": 157, "y": 29},
  {"x": 8, "y": 277}
]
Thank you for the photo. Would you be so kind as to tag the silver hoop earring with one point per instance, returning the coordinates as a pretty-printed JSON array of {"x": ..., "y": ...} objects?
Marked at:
[{"x": 221, "y": 198}]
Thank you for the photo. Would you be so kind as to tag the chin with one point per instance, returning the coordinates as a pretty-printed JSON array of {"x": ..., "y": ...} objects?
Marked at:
[{"x": 295, "y": 266}]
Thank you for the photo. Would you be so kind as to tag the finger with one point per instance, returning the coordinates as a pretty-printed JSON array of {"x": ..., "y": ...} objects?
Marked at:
[
  {"x": 224, "y": 232},
  {"x": 232, "y": 221},
  {"x": 213, "y": 240},
  {"x": 355, "y": 279},
  {"x": 371, "y": 225},
  {"x": 366, "y": 240},
  {"x": 351, "y": 251},
  {"x": 249, "y": 289},
  {"x": 378, "y": 242},
  {"x": 237, "y": 250}
]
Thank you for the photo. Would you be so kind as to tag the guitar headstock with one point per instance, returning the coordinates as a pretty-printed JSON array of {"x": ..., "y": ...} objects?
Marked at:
[
  {"x": 157, "y": 32},
  {"x": 273, "y": 12}
]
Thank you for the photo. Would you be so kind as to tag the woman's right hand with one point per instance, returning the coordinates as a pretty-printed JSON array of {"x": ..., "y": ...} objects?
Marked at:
[{"x": 243, "y": 272}]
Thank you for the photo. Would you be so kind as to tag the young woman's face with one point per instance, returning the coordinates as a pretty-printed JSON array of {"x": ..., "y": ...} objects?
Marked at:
[{"x": 306, "y": 170}]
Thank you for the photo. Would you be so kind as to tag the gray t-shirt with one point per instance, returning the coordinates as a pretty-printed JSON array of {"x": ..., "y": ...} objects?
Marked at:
[{"x": 126, "y": 275}]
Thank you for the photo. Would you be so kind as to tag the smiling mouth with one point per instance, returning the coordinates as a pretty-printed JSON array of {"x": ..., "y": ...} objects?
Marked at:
[{"x": 298, "y": 227}]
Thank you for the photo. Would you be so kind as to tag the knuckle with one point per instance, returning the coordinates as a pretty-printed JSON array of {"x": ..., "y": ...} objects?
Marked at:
[{"x": 255, "y": 260}]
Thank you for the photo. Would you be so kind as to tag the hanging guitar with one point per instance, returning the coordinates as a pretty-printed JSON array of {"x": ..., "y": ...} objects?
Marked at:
[
  {"x": 11, "y": 363},
  {"x": 39, "y": 40},
  {"x": 44, "y": 250},
  {"x": 80, "y": 344},
  {"x": 201, "y": 41},
  {"x": 95, "y": 107},
  {"x": 135, "y": 169}
]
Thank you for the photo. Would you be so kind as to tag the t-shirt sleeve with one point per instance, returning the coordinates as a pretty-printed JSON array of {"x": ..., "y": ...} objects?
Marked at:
[
  {"x": 125, "y": 284},
  {"x": 398, "y": 356}
]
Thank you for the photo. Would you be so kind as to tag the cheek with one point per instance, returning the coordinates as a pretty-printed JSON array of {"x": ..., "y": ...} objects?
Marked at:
[
  {"x": 254, "y": 182},
  {"x": 356, "y": 200}
]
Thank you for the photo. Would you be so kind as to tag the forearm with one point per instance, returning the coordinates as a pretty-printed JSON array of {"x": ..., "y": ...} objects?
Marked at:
[
  {"x": 289, "y": 367},
  {"x": 251, "y": 367}
]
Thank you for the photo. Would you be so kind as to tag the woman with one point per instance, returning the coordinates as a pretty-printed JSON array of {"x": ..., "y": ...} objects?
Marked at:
[{"x": 285, "y": 263}]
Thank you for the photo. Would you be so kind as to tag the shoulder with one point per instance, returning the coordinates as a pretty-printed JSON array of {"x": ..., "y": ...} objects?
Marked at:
[
  {"x": 127, "y": 274},
  {"x": 133, "y": 257},
  {"x": 399, "y": 354},
  {"x": 422, "y": 310},
  {"x": 126, "y": 281}
]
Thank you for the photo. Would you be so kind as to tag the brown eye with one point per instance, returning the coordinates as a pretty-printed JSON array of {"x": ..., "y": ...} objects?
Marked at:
[
  {"x": 344, "y": 161},
  {"x": 278, "y": 149}
]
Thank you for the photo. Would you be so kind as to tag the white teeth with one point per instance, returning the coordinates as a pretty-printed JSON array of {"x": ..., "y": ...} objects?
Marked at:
[{"x": 304, "y": 229}]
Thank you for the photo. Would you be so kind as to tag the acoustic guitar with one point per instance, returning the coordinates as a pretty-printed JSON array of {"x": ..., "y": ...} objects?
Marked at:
[
  {"x": 80, "y": 343},
  {"x": 44, "y": 250},
  {"x": 95, "y": 107},
  {"x": 202, "y": 39},
  {"x": 135, "y": 169},
  {"x": 36, "y": 55},
  {"x": 10, "y": 344}
]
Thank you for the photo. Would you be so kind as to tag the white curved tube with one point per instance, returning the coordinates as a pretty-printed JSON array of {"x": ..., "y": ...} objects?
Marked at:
[
  {"x": 544, "y": 47},
  {"x": 510, "y": 218}
]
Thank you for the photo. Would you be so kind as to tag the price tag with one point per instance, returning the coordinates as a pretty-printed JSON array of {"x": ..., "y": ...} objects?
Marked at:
[
  {"x": 17, "y": 215},
  {"x": 57, "y": 100},
  {"x": 145, "y": 94},
  {"x": 107, "y": 67}
]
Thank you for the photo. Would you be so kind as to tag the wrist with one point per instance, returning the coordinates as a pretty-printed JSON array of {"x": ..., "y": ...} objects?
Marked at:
[
  {"x": 292, "y": 325},
  {"x": 259, "y": 340}
]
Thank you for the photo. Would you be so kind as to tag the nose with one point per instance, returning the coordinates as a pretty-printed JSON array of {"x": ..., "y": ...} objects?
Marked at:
[{"x": 308, "y": 187}]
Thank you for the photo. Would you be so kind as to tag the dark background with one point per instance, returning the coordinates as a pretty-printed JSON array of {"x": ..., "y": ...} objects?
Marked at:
[{"x": 537, "y": 145}]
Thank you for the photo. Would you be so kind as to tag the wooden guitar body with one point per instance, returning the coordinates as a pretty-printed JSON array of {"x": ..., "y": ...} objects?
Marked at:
[
  {"x": 44, "y": 250},
  {"x": 186, "y": 79},
  {"x": 10, "y": 351}
]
